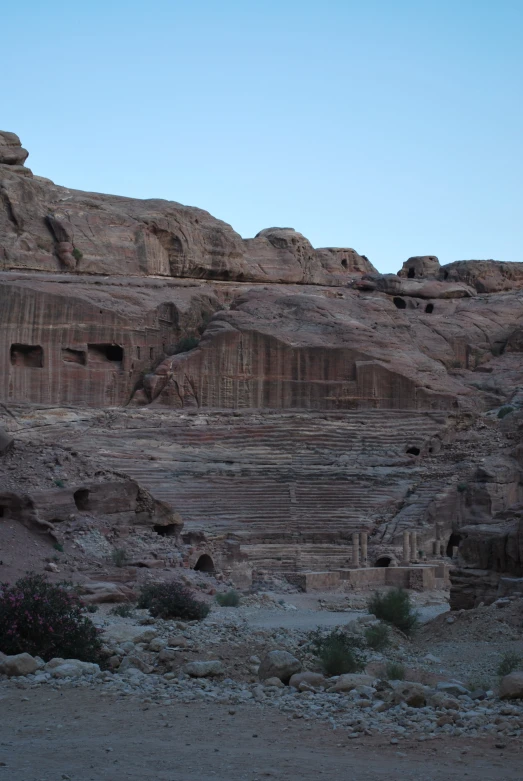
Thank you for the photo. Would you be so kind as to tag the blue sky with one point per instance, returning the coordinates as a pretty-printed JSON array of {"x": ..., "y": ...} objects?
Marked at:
[{"x": 390, "y": 126}]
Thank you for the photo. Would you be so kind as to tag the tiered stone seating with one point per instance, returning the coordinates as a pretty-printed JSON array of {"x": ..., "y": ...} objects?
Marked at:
[{"x": 292, "y": 487}]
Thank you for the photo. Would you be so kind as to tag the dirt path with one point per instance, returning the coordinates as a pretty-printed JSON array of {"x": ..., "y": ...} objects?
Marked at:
[{"x": 47, "y": 735}]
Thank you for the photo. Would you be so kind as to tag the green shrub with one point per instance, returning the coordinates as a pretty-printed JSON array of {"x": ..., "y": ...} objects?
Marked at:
[
  {"x": 509, "y": 662},
  {"x": 394, "y": 607},
  {"x": 377, "y": 637},
  {"x": 229, "y": 599},
  {"x": 338, "y": 652},
  {"x": 92, "y": 608},
  {"x": 59, "y": 482},
  {"x": 394, "y": 671},
  {"x": 506, "y": 410},
  {"x": 77, "y": 254},
  {"x": 47, "y": 620},
  {"x": 124, "y": 610},
  {"x": 119, "y": 557},
  {"x": 462, "y": 487},
  {"x": 59, "y": 547},
  {"x": 171, "y": 600},
  {"x": 186, "y": 344}
]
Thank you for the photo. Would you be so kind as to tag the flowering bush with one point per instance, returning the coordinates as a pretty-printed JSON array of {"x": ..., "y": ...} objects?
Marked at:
[
  {"x": 171, "y": 600},
  {"x": 47, "y": 620}
]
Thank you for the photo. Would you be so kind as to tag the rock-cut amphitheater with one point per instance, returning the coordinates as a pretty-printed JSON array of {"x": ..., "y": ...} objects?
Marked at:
[{"x": 301, "y": 413}]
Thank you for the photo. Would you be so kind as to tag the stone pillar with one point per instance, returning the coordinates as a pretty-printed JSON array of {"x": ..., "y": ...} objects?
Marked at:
[
  {"x": 442, "y": 549},
  {"x": 355, "y": 549},
  {"x": 414, "y": 546},
  {"x": 435, "y": 547},
  {"x": 455, "y": 549},
  {"x": 406, "y": 547},
  {"x": 363, "y": 541}
]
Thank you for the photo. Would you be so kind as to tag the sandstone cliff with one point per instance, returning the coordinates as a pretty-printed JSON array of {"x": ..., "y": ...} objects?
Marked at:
[{"x": 271, "y": 392}]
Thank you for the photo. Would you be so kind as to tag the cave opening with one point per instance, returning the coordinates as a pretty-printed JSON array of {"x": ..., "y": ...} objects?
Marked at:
[
  {"x": 454, "y": 541},
  {"x": 165, "y": 530},
  {"x": 29, "y": 355},
  {"x": 204, "y": 564},
  {"x": 383, "y": 561},
  {"x": 413, "y": 451},
  {"x": 399, "y": 303},
  {"x": 412, "y": 273},
  {"x": 105, "y": 353},
  {"x": 344, "y": 263},
  {"x": 81, "y": 499},
  {"x": 429, "y": 309}
]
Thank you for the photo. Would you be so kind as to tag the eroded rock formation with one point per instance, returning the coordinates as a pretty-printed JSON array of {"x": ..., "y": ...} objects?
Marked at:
[{"x": 278, "y": 395}]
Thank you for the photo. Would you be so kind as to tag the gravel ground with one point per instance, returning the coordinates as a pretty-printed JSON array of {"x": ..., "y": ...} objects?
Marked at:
[{"x": 78, "y": 735}]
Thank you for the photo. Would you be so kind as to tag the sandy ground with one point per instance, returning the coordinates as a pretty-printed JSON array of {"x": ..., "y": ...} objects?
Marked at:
[{"x": 79, "y": 735}]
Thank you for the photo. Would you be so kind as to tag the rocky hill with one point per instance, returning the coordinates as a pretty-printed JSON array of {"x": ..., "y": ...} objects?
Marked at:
[{"x": 281, "y": 398}]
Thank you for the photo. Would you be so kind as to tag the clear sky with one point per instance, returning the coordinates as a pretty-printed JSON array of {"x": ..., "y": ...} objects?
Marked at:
[{"x": 390, "y": 126}]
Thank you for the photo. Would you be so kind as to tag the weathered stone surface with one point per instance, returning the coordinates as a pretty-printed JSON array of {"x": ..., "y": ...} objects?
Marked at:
[
  {"x": 413, "y": 694},
  {"x": 279, "y": 664},
  {"x": 204, "y": 669},
  {"x": 11, "y": 151},
  {"x": 511, "y": 686},
  {"x": 420, "y": 267},
  {"x": 18, "y": 664},
  {"x": 350, "y": 681},
  {"x": 121, "y": 633},
  {"x": 6, "y": 441},
  {"x": 70, "y": 668},
  {"x": 314, "y": 680}
]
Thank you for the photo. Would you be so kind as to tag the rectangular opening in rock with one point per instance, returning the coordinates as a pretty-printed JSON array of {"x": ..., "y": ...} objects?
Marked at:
[
  {"x": 105, "y": 353},
  {"x": 74, "y": 356},
  {"x": 31, "y": 355}
]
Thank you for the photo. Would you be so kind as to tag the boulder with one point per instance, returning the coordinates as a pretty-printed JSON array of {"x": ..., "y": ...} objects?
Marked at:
[
  {"x": 452, "y": 688},
  {"x": 70, "y": 668},
  {"x": 98, "y": 593},
  {"x": 314, "y": 680},
  {"x": 204, "y": 669},
  {"x": 122, "y": 633},
  {"x": 511, "y": 686},
  {"x": 274, "y": 682},
  {"x": 413, "y": 694},
  {"x": 350, "y": 681},
  {"x": 134, "y": 662},
  {"x": 18, "y": 664},
  {"x": 279, "y": 664}
]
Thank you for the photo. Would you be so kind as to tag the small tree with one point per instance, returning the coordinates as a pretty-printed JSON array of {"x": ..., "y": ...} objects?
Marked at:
[
  {"x": 394, "y": 608},
  {"x": 229, "y": 599},
  {"x": 338, "y": 652},
  {"x": 47, "y": 620},
  {"x": 171, "y": 600}
]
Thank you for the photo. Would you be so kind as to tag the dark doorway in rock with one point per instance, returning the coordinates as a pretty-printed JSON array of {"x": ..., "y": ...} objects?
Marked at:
[
  {"x": 413, "y": 451},
  {"x": 2, "y": 511},
  {"x": 81, "y": 499},
  {"x": 105, "y": 353},
  {"x": 412, "y": 273},
  {"x": 165, "y": 530},
  {"x": 454, "y": 542},
  {"x": 399, "y": 303},
  {"x": 204, "y": 564},
  {"x": 344, "y": 263},
  {"x": 29, "y": 355},
  {"x": 429, "y": 309},
  {"x": 383, "y": 561}
]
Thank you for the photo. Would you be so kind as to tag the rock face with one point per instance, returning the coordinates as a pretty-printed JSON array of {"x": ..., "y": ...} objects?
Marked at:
[{"x": 286, "y": 396}]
